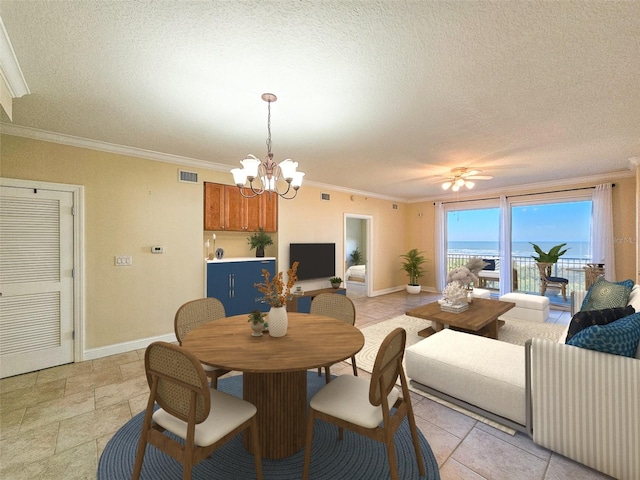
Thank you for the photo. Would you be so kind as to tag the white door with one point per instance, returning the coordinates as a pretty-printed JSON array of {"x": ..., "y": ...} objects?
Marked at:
[{"x": 36, "y": 279}]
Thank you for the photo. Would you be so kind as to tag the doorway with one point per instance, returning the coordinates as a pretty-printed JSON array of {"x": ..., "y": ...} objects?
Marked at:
[
  {"x": 358, "y": 261},
  {"x": 40, "y": 280}
]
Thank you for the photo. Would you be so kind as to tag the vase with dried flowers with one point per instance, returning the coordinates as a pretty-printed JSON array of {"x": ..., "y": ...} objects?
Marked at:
[{"x": 276, "y": 293}]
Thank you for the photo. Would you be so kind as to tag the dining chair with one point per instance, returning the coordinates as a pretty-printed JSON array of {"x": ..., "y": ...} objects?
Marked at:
[
  {"x": 546, "y": 280},
  {"x": 204, "y": 418},
  {"x": 193, "y": 314},
  {"x": 336, "y": 306},
  {"x": 363, "y": 406}
]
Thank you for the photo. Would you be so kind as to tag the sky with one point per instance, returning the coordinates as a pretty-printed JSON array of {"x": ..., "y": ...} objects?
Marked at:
[{"x": 557, "y": 222}]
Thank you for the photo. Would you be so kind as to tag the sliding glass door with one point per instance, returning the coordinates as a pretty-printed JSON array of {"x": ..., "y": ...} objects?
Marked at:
[
  {"x": 543, "y": 220},
  {"x": 547, "y": 225}
]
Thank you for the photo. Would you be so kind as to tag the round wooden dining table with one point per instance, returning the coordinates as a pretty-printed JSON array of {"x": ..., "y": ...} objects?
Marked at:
[{"x": 275, "y": 368}]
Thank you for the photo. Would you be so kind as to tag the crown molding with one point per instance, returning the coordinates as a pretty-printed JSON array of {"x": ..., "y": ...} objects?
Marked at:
[
  {"x": 70, "y": 140},
  {"x": 63, "y": 139},
  {"x": 35, "y": 134},
  {"x": 9, "y": 67}
]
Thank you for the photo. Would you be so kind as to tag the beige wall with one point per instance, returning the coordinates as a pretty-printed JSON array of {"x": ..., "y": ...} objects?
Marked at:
[
  {"x": 132, "y": 204},
  {"x": 308, "y": 218}
]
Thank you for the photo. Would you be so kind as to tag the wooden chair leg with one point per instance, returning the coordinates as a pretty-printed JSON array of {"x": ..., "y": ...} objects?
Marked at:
[
  {"x": 327, "y": 374},
  {"x": 416, "y": 443},
  {"x": 307, "y": 449},
  {"x": 255, "y": 441},
  {"x": 353, "y": 364},
  {"x": 391, "y": 454},
  {"x": 142, "y": 443}
]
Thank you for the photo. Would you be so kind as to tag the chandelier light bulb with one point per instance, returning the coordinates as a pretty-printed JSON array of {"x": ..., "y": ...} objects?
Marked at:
[
  {"x": 469, "y": 184},
  {"x": 446, "y": 185}
]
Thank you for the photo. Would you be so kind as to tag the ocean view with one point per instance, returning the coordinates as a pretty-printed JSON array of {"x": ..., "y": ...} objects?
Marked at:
[{"x": 579, "y": 250}]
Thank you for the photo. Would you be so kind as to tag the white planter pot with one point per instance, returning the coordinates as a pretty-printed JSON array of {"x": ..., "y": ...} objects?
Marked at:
[
  {"x": 278, "y": 321},
  {"x": 413, "y": 289}
]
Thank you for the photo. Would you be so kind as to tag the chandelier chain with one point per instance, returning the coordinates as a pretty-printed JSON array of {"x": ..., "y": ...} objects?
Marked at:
[{"x": 269, "y": 127}]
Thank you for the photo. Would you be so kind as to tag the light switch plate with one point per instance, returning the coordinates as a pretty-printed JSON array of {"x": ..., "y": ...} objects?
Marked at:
[{"x": 123, "y": 260}]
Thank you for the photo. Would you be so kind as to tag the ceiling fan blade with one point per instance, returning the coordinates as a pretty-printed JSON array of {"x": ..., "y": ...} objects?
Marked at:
[
  {"x": 479, "y": 177},
  {"x": 470, "y": 173}
]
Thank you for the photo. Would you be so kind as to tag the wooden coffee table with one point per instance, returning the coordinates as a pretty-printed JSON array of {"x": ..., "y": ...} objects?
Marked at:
[{"x": 480, "y": 319}]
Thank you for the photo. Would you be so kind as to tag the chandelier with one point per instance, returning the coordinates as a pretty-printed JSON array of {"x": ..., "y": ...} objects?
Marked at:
[{"x": 264, "y": 176}]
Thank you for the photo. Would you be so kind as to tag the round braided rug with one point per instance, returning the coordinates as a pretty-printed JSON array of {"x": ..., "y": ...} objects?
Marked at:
[{"x": 355, "y": 457}]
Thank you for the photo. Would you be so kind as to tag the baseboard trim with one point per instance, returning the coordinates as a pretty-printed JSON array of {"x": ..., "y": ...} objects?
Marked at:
[{"x": 94, "y": 353}]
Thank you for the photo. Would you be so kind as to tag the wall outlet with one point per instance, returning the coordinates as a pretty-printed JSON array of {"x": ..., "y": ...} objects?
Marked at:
[{"x": 123, "y": 260}]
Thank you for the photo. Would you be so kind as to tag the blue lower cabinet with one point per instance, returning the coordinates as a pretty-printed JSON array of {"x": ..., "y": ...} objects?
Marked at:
[{"x": 233, "y": 284}]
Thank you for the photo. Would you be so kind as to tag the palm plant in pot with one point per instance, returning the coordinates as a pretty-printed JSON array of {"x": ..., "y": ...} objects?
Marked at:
[
  {"x": 412, "y": 265},
  {"x": 545, "y": 261},
  {"x": 259, "y": 240}
]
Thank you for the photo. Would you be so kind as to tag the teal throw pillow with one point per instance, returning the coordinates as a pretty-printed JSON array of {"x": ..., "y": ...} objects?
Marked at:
[
  {"x": 618, "y": 338},
  {"x": 604, "y": 294}
]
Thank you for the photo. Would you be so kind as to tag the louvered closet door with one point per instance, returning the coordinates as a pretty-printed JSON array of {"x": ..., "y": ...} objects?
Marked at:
[{"x": 36, "y": 285}]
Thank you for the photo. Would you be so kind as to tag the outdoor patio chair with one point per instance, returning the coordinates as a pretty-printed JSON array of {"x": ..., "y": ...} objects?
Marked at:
[{"x": 546, "y": 280}]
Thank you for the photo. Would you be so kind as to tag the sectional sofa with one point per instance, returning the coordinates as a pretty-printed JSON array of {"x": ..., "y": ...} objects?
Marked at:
[{"x": 581, "y": 403}]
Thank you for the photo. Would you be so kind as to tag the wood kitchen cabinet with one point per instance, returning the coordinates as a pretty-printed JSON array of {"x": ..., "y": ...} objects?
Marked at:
[{"x": 226, "y": 209}]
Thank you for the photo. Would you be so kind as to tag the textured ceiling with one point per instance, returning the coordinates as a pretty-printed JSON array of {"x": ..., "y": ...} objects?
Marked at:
[{"x": 374, "y": 96}]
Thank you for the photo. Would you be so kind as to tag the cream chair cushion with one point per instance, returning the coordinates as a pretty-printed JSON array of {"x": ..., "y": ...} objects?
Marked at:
[
  {"x": 227, "y": 412},
  {"x": 347, "y": 398}
]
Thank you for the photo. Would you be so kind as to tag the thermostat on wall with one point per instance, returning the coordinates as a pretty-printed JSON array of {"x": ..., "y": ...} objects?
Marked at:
[{"x": 157, "y": 249}]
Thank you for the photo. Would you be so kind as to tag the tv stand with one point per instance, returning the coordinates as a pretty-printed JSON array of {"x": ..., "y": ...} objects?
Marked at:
[{"x": 302, "y": 303}]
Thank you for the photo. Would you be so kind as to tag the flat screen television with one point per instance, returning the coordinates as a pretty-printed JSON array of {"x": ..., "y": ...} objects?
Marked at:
[{"x": 317, "y": 260}]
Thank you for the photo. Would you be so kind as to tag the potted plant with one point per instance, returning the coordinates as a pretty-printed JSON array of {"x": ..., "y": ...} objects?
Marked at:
[
  {"x": 551, "y": 256},
  {"x": 259, "y": 240},
  {"x": 412, "y": 264},
  {"x": 356, "y": 257},
  {"x": 257, "y": 322},
  {"x": 544, "y": 262},
  {"x": 335, "y": 282}
]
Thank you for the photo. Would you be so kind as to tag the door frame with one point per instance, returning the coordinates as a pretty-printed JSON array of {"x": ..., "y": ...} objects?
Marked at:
[
  {"x": 369, "y": 231},
  {"x": 78, "y": 253}
]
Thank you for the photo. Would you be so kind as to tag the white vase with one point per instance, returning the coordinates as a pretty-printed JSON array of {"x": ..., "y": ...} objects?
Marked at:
[{"x": 278, "y": 321}]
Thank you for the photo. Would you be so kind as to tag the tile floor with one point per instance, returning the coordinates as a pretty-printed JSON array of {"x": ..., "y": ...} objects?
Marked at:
[{"x": 55, "y": 423}]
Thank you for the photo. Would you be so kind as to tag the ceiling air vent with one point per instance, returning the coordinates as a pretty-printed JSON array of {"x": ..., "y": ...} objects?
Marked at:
[
  {"x": 188, "y": 177},
  {"x": 326, "y": 196}
]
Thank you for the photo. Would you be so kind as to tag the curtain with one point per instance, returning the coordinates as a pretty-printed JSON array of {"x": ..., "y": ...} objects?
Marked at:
[
  {"x": 505, "y": 245},
  {"x": 441, "y": 247},
  {"x": 602, "y": 241}
]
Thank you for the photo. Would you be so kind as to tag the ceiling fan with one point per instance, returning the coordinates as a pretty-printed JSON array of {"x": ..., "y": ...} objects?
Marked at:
[{"x": 463, "y": 177}]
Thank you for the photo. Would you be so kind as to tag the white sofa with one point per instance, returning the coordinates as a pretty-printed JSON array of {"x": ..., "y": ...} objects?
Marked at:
[{"x": 580, "y": 403}]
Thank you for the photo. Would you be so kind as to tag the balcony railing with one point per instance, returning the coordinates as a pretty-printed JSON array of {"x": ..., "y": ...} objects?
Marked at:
[{"x": 528, "y": 274}]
